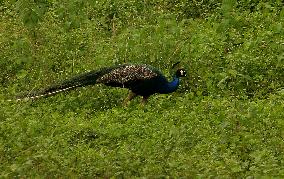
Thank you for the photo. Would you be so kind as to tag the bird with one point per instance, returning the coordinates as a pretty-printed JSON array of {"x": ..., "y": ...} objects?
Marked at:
[{"x": 141, "y": 80}]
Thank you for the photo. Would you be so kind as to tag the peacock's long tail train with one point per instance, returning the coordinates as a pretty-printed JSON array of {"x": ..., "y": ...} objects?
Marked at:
[{"x": 81, "y": 80}]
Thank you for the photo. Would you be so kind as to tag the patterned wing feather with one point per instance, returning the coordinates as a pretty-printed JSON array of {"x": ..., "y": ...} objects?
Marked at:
[{"x": 126, "y": 74}]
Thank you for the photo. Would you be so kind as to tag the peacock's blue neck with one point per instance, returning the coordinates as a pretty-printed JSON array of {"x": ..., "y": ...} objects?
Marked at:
[{"x": 172, "y": 86}]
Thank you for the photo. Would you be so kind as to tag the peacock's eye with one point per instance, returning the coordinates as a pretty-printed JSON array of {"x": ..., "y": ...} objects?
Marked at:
[{"x": 182, "y": 73}]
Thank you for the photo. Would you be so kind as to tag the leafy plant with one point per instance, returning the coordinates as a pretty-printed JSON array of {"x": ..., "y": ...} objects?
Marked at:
[{"x": 225, "y": 120}]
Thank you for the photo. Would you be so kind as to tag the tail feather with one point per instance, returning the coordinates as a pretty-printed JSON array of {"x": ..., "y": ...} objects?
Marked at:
[{"x": 84, "y": 79}]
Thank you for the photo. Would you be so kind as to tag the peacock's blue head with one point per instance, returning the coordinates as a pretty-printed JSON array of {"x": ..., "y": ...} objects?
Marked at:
[{"x": 180, "y": 73}]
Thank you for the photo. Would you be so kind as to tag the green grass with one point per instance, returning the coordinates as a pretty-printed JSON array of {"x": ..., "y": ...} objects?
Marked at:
[
  {"x": 176, "y": 136},
  {"x": 225, "y": 120}
]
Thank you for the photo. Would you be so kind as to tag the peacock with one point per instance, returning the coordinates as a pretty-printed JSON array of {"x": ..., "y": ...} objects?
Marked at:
[{"x": 141, "y": 80}]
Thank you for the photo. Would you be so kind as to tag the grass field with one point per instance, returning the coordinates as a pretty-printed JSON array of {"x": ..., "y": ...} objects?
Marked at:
[{"x": 225, "y": 121}]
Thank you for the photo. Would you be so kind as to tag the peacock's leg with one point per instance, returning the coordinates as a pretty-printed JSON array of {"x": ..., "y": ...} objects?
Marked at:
[
  {"x": 144, "y": 100},
  {"x": 130, "y": 96}
]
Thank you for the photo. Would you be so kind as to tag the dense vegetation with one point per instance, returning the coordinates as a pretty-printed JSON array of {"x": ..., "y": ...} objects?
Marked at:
[{"x": 225, "y": 120}]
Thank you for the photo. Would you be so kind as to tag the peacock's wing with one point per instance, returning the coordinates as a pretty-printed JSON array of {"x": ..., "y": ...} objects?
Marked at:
[{"x": 128, "y": 75}]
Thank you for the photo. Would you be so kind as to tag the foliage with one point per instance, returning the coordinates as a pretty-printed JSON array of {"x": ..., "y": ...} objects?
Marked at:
[
  {"x": 226, "y": 119},
  {"x": 199, "y": 137}
]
